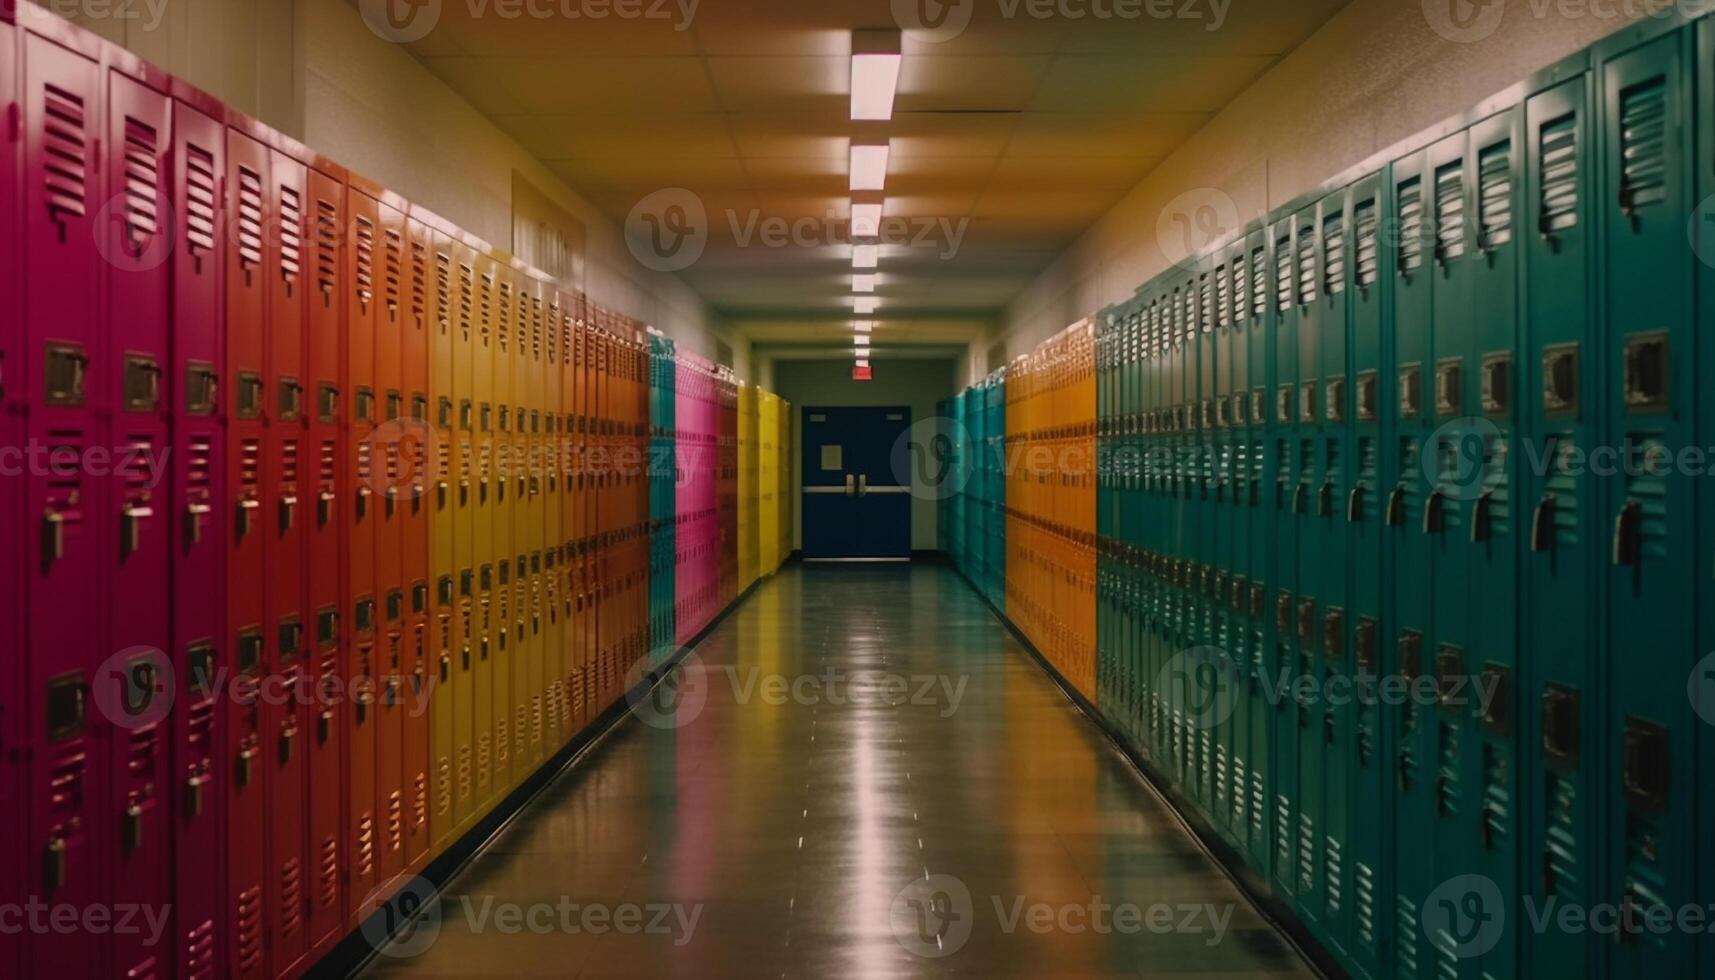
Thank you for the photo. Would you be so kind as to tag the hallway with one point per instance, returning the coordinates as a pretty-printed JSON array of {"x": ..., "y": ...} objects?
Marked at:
[{"x": 865, "y": 776}]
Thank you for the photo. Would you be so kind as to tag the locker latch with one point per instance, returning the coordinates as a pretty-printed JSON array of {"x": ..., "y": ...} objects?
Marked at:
[
  {"x": 65, "y": 706},
  {"x": 131, "y": 827},
  {"x": 1449, "y": 387},
  {"x": 1325, "y": 499},
  {"x": 246, "y": 507},
  {"x": 1560, "y": 379},
  {"x": 1283, "y": 614},
  {"x": 1334, "y": 634},
  {"x": 242, "y": 768},
  {"x": 1411, "y": 391},
  {"x": 1497, "y": 384},
  {"x": 1365, "y": 636},
  {"x": 447, "y": 667},
  {"x": 1481, "y": 511},
  {"x": 53, "y": 538},
  {"x": 324, "y": 726},
  {"x": 1560, "y": 726},
  {"x": 1306, "y": 622},
  {"x": 1355, "y": 505},
  {"x": 1434, "y": 521},
  {"x": 1646, "y": 764},
  {"x": 54, "y": 864},
  {"x": 1396, "y": 507},
  {"x": 1449, "y": 678},
  {"x": 288, "y": 506},
  {"x": 193, "y": 794},
  {"x": 1647, "y": 370},
  {"x": 66, "y": 370},
  {"x": 199, "y": 388},
  {"x": 131, "y": 528},
  {"x": 1410, "y": 654},
  {"x": 1497, "y": 688},
  {"x": 194, "y": 513},
  {"x": 1542, "y": 524},
  {"x": 1368, "y": 396},
  {"x": 1626, "y": 533},
  {"x": 142, "y": 383}
]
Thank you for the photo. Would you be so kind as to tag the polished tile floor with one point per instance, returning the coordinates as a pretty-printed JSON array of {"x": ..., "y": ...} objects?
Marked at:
[{"x": 860, "y": 774}]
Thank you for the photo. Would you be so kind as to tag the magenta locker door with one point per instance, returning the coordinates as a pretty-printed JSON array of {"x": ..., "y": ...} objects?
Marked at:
[
  {"x": 67, "y": 547},
  {"x": 386, "y": 461},
  {"x": 283, "y": 530},
  {"x": 324, "y": 345},
  {"x": 12, "y": 614},
  {"x": 246, "y": 433},
  {"x": 199, "y": 543},
  {"x": 136, "y": 242}
]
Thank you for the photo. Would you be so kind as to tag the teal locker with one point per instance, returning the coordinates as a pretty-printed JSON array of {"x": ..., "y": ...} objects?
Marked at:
[
  {"x": 1256, "y": 463},
  {"x": 1410, "y": 556},
  {"x": 1311, "y": 570},
  {"x": 1559, "y": 724},
  {"x": 1282, "y": 668},
  {"x": 1646, "y": 392},
  {"x": 1705, "y": 233},
  {"x": 1222, "y": 528},
  {"x": 1132, "y": 515},
  {"x": 1368, "y": 781}
]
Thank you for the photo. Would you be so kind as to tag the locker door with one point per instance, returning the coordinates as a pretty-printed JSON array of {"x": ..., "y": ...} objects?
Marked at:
[
  {"x": 200, "y": 528},
  {"x": 1289, "y": 477},
  {"x": 552, "y": 461},
  {"x": 1705, "y": 216},
  {"x": 1369, "y": 780},
  {"x": 326, "y": 499},
  {"x": 484, "y": 517},
  {"x": 447, "y": 630},
  {"x": 1311, "y": 573},
  {"x": 1558, "y": 723},
  {"x": 248, "y": 199},
  {"x": 138, "y": 851},
  {"x": 284, "y": 717},
  {"x": 1258, "y": 466},
  {"x": 464, "y": 535},
  {"x": 505, "y": 510},
  {"x": 537, "y": 500},
  {"x": 366, "y": 478},
  {"x": 418, "y": 447},
  {"x": 1646, "y": 389},
  {"x": 390, "y": 444},
  {"x": 1490, "y": 468},
  {"x": 1217, "y": 399},
  {"x": 12, "y": 734},
  {"x": 1405, "y": 653},
  {"x": 1232, "y": 391}
]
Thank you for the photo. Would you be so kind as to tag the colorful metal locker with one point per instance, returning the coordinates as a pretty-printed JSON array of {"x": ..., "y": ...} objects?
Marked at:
[
  {"x": 503, "y": 510},
  {"x": 13, "y": 740},
  {"x": 1290, "y": 452},
  {"x": 1704, "y": 216},
  {"x": 465, "y": 495},
  {"x": 417, "y": 448},
  {"x": 484, "y": 518},
  {"x": 389, "y": 443},
  {"x": 327, "y": 497},
  {"x": 447, "y": 629},
  {"x": 200, "y": 528}
]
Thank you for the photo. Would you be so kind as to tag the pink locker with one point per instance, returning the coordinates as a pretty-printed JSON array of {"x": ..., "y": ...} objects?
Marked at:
[
  {"x": 69, "y": 542},
  {"x": 247, "y": 197},
  {"x": 361, "y": 516},
  {"x": 135, "y": 224},
  {"x": 331, "y": 496},
  {"x": 420, "y": 462},
  {"x": 393, "y": 487},
  {"x": 12, "y": 613},
  {"x": 199, "y": 536},
  {"x": 288, "y": 475}
]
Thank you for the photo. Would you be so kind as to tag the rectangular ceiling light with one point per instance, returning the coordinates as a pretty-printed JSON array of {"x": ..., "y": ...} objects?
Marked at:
[
  {"x": 869, "y": 166},
  {"x": 865, "y": 305},
  {"x": 862, "y": 362},
  {"x": 875, "y": 73},
  {"x": 865, "y": 256},
  {"x": 862, "y": 326},
  {"x": 863, "y": 283},
  {"x": 866, "y": 220}
]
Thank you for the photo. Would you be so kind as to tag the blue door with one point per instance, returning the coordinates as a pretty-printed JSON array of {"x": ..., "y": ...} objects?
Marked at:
[{"x": 857, "y": 501}]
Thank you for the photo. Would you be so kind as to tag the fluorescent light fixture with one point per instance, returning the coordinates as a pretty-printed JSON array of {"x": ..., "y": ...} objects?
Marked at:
[
  {"x": 863, "y": 283},
  {"x": 865, "y": 256},
  {"x": 862, "y": 326},
  {"x": 863, "y": 362},
  {"x": 875, "y": 73},
  {"x": 865, "y": 305},
  {"x": 866, "y": 220},
  {"x": 869, "y": 166}
]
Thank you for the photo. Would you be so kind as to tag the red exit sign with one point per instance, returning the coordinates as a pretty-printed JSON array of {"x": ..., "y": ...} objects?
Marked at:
[{"x": 861, "y": 374}]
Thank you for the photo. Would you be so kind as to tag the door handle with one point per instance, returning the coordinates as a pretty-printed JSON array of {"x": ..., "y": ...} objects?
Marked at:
[
  {"x": 851, "y": 485},
  {"x": 53, "y": 537},
  {"x": 863, "y": 485},
  {"x": 1542, "y": 524},
  {"x": 1355, "y": 505},
  {"x": 1432, "y": 523},
  {"x": 1626, "y": 533},
  {"x": 194, "y": 513},
  {"x": 1480, "y": 512},
  {"x": 288, "y": 511},
  {"x": 131, "y": 527}
]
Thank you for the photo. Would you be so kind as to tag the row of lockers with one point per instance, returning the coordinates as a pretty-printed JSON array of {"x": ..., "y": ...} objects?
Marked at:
[
  {"x": 972, "y": 491},
  {"x": 336, "y": 522},
  {"x": 1403, "y": 532},
  {"x": 765, "y": 527}
]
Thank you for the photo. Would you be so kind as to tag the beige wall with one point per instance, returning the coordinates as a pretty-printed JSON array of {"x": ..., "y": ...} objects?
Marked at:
[
  {"x": 919, "y": 384},
  {"x": 1375, "y": 74}
]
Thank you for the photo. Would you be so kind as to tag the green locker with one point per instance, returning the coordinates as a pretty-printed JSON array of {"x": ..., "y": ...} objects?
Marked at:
[
  {"x": 1284, "y": 439},
  {"x": 1409, "y": 555},
  {"x": 1369, "y": 785},
  {"x": 1223, "y": 526},
  {"x": 1705, "y": 232},
  {"x": 1646, "y": 391},
  {"x": 1205, "y": 730},
  {"x": 1559, "y": 724},
  {"x": 1257, "y": 466},
  {"x": 1107, "y": 325}
]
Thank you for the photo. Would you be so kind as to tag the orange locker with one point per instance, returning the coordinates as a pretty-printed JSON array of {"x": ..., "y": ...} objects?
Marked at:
[
  {"x": 484, "y": 522},
  {"x": 502, "y": 509},
  {"x": 388, "y": 450},
  {"x": 417, "y": 447}
]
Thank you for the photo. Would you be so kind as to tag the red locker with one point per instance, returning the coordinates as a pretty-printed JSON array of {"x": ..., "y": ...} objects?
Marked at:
[
  {"x": 286, "y": 482},
  {"x": 247, "y": 196},
  {"x": 387, "y": 460},
  {"x": 137, "y": 244},
  {"x": 200, "y": 539},
  {"x": 324, "y": 520},
  {"x": 364, "y": 474},
  {"x": 69, "y": 544},
  {"x": 12, "y": 741},
  {"x": 418, "y": 449}
]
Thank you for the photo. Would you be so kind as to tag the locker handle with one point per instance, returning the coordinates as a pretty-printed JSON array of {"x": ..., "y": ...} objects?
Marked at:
[
  {"x": 1542, "y": 524},
  {"x": 1301, "y": 499},
  {"x": 446, "y": 668},
  {"x": 194, "y": 513},
  {"x": 1355, "y": 505},
  {"x": 1626, "y": 534},
  {"x": 241, "y": 773},
  {"x": 362, "y": 502},
  {"x": 288, "y": 508},
  {"x": 1325, "y": 500},
  {"x": 324, "y": 726},
  {"x": 53, "y": 537},
  {"x": 245, "y": 507},
  {"x": 324, "y": 507},
  {"x": 193, "y": 795},
  {"x": 54, "y": 864},
  {"x": 1480, "y": 512},
  {"x": 131, "y": 827},
  {"x": 131, "y": 528},
  {"x": 288, "y": 741},
  {"x": 1433, "y": 522}
]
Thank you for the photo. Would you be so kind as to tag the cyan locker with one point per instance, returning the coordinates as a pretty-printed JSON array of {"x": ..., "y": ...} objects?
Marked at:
[
  {"x": 1288, "y": 474},
  {"x": 282, "y": 528},
  {"x": 247, "y": 200},
  {"x": 365, "y": 475},
  {"x": 68, "y": 824},
  {"x": 200, "y": 528},
  {"x": 416, "y": 446},
  {"x": 12, "y": 737},
  {"x": 388, "y": 443},
  {"x": 1232, "y": 558},
  {"x": 1491, "y": 765},
  {"x": 464, "y": 494},
  {"x": 1646, "y": 390},
  {"x": 1409, "y": 552},
  {"x": 1705, "y": 216},
  {"x": 326, "y": 493},
  {"x": 1205, "y": 732},
  {"x": 138, "y": 851},
  {"x": 1368, "y": 779},
  {"x": 1258, "y": 465},
  {"x": 1223, "y": 528},
  {"x": 1559, "y": 720}
]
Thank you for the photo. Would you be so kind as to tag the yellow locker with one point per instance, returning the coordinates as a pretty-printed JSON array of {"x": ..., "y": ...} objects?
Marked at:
[
  {"x": 768, "y": 461},
  {"x": 505, "y": 648},
  {"x": 446, "y": 632},
  {"x": 487, "y": 554},
  {"x": 785, "y": 471},
  {"x": 467, "y": 556},
  {"x": 748, "y": 540}
]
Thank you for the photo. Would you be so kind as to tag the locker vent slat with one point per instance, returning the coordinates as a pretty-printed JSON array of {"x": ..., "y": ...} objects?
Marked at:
[
  {"x": 65, "y": 165},
  {"x": 1334, "y": 248},
  {"x": 200, "y": 204},
  {"x": 1259, "y": 281},
  {"x": 291, "y": 235},
  {"x": 1283, "y": 281},
  {"x": 142, "y": 180},
  {"x": 1450, "y": 212},
  {"x": 1643, "y": 144},
  {"x": 1411, "y": 225},
  {"x": 1307, "y": 265},
  {"x": 327, "y": 248},
  {"x": 1368, "y": 258},
  {"x": 249, "y": 216},
  {"x": 1559, "y": 177},
  {"x": 1495, "y": 194}
]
